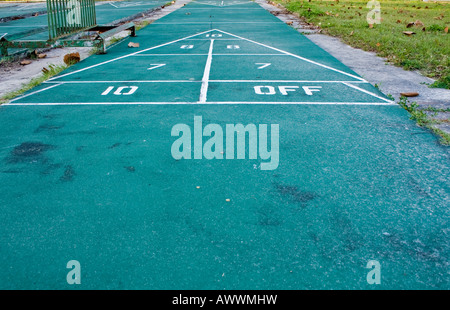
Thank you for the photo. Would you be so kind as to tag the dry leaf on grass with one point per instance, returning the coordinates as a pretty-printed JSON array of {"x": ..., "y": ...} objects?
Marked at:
[
  {"x": 371, "y": 26},
  {"x": 409, "y": 33},
  {"x": 41, "y": 55},
  {"x": 25, "y": 62},
  {"x": 446, "y": 30},
  {"x": 45, "y": 70},
  {"x": 419, "y": 23}
]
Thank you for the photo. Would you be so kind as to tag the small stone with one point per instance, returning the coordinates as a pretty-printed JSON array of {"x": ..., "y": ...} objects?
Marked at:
[{"x": 132, "y": 44}]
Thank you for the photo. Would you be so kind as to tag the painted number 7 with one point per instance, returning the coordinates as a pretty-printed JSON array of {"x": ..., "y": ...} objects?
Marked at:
[{"x": 120, "y": 90}]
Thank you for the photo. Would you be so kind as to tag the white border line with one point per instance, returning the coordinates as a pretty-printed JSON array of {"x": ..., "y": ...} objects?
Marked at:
[
  {"x": 211, "y": 81},
  {"x": 185, "y": 38},
  {"x": 216, "y": 102},
  {"x": 32, "y": 93},
  {"x": 296, "y": 56},
  {"x": 205, "y": 79},
  {"x": 367, "y": 92},
  {"x": 128, "y": 55}
]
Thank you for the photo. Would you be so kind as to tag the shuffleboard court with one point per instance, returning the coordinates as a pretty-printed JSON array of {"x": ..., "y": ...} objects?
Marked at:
[
  {"x": 11, "y": 10},
  {"x": 107, "y": 13},
  {"x": 88, "y": 170}
]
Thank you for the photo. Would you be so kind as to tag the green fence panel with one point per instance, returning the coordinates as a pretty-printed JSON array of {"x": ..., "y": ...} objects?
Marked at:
[{"x": 69, "y": 16}]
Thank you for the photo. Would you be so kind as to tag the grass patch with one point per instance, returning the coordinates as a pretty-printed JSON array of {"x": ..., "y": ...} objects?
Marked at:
[
  {"x": 427, "y": 51},
  {"x": 142, "y": 24},
  {"x": 424, "y": 120},
  {"x": 52, "y": 70}
]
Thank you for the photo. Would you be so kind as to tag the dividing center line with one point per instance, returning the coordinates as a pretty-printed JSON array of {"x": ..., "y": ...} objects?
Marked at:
[{"x": 205, "y": 79}]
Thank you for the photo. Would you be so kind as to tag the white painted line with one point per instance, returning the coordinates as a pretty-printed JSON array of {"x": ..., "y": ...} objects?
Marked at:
[
  {"x": 216, "y": 102},
  {"x": 198, "y": 81},
  {"x": 125, "y": 56},
  {"x": 145, "y": 55},
  {"x": 222, "y": 5},
  {"x": 296, "y": 56},
  {"x": 229, "y": 54},
  {"x": 284, "y": 81},
  {"x": 233, "y": 54},
  {"x": 114, "y": 5},
  {"x": 367, "y": 92},
  {"x": 205, "y": 79},
  {"x": 35, "y": 92},
  {"x": 129, "y": 81},
  {"x": 218, "y": 39},
  {"x": 189, "y": 23}
]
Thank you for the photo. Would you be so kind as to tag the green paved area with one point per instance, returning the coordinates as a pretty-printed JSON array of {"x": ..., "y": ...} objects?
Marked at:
[
  {"x": 87, "y": 171},
  {"x": 8, "y": 9},
  {"x": 107, "y": 13}
]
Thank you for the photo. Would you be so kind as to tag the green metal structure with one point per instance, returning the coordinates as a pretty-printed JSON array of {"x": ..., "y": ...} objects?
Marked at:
[{"x": 70, "y": 23}]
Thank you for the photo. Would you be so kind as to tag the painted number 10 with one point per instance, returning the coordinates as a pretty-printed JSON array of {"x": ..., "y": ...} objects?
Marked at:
[{"x": 122, "y": 90}]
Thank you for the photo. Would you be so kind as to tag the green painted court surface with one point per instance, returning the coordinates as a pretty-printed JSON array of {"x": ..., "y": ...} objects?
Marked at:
[
  {"x": 107, "y": 13},
  {"x": 87, "y": 172}
]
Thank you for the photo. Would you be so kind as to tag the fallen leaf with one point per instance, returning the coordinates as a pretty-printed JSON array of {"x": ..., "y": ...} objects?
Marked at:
[
  {"x": 351, "y": 33},
  {"x": 42, "y": 55},
  {"x": 227, "y": 200},
  {"x": 446, "y": 30},
  {"x": 337, "y": 15},
  {"x": 410, "y": 25},
  {"x": 418, "y": 23},
  {"x": 409, "y": 94},
  {"x": 289, "y": 22},
  {"x": 399, "y": 21},
  {"x": 45, "y": 70},
  {"x": 409, "y": 33},
  {"x": 378, "y": 44},
  {"x": 370, "y": 25},
  {"x": 132, "y": 44},
  {"x": 25, "y": 62}
]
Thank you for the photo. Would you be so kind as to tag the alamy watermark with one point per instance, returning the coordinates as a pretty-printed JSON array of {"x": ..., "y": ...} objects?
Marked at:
[
  {"x": 251, "y": 137},
  {"x": 374, "y": 16},
  {"x": 374, "y": 275},
  {"x": 74, "y": 275}
]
